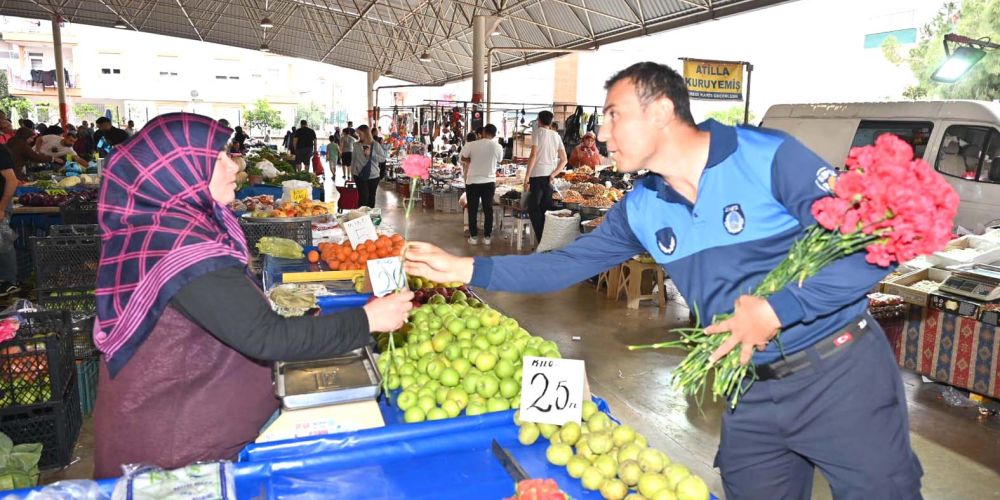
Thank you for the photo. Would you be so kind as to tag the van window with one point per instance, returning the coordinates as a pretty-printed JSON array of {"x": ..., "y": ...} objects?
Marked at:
[
  {"x": 915, "y": 133},
  {"x": 970, "y": 152}
]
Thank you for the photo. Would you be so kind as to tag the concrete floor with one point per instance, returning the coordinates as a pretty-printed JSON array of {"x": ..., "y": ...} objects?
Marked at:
[{"x": 957, "y": 446}]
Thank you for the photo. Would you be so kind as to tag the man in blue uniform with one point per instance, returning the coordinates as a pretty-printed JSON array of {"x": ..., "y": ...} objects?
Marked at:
[{"x": 719, "y": 209}]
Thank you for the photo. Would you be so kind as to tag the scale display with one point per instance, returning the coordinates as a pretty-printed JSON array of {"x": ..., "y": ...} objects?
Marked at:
[{"x": 978, "y": 281}]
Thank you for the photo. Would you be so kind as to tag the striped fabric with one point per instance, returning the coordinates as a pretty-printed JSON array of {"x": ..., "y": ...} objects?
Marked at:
[
  {"x": 956, "y": 350},
  {"x": 160, "y": 227}
]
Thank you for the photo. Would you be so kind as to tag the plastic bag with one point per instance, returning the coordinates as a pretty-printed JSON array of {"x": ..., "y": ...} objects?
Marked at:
[
  {"x": 267, "y": 169},
  {"x": 204, "y": 481},
  {"x": 282, "y": 248},
  {"x": 66, "y": 490},
  {"x": 561, "y": 228}
]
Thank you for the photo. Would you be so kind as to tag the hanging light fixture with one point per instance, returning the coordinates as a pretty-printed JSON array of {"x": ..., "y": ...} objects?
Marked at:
[
  {"x": 266, "y": 23},
  {"x": 960, "y": 60},
  {"x": 388, "y": 72},
  {"x": 120, "y": 24},
  {"x": 425, "y": 56},
  {"x": 264, "y": 47}
]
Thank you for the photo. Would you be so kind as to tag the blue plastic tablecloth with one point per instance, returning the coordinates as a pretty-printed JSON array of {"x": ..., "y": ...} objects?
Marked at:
[{"x": 275, "y": 191}]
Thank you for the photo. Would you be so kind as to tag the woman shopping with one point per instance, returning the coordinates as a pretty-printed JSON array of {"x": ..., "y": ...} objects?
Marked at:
[
  {"x": 367, "y": 156},
  {"x": 183, "y": 329}
]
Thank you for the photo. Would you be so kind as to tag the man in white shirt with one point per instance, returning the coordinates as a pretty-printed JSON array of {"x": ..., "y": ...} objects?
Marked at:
[
  {"x": 479, "y": 164},
  {"x": 347, "y": 140},
  {"x": 547, "y": 160},
  {"x": 58, "y": 146}
]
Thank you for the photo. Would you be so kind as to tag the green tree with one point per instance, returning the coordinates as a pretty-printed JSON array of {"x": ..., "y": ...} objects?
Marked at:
[
  {"x": 972, "y": 18},
  {"x": 42, "y": 111},
  {"x": 731, "y": 116},
  {"x": 311, "y": 113},
  {"x": 262, "y": 117},
  {"x": 85, "y": 111}
]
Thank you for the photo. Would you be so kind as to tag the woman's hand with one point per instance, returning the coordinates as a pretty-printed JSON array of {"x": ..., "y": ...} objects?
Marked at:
[
  {"x": 428, "y": 261},
  {"x": 390, "y": 312}
]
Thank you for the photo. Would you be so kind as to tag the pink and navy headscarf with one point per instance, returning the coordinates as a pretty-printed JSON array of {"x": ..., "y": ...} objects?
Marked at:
[{"x": 160, "y": 227}]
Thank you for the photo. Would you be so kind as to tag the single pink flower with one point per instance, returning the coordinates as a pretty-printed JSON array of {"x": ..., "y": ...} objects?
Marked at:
[{"x": 417, "y": 166}]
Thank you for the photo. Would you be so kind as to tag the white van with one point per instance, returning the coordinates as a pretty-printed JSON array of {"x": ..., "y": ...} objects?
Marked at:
[{"x": 960, "y": 139}]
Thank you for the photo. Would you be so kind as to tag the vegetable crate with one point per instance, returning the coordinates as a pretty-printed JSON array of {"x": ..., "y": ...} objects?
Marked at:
[
  {"x": 78, "y": 212},
  {"x": 298, "y": 231},
  {"x": 86, "y": 377},
  {"x": 66, "y": 261},
  {"x": 83, "y": 338},
  {"x": 55, "y": 424},
  {"x": 37, "y": 364}
]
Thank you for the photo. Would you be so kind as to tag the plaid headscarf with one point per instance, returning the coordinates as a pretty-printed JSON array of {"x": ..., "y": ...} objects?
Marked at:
[{"x": 160, "y": 227}]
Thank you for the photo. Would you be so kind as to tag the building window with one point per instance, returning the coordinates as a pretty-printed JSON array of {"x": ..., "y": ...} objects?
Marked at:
[
  {"x": 111, "y": 71},
  {"x": 168, "y": 73}
]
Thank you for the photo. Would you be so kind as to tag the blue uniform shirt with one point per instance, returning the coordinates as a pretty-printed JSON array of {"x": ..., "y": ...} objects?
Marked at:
[{"x": 754, "y": 200}]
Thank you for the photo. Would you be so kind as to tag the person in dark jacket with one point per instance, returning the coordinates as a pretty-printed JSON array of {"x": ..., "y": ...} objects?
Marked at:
[
  {"x": 108, "y": 136},
  {"x": 23, "y": 154},
  {"x": 182, "y": 377}
]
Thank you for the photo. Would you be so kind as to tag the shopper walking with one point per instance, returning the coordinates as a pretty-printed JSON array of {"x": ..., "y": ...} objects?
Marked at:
[
  {"x": 184, "y": 347},
  {"x": 333, "y": 154},
  {"x": 347, "y": 150},
  {"x": 365, "y": 165},
  {"x": 839, "y": 403},
  {"x": 547, "y": 160},
  {"x": 304, "y": 145},
  {"x": 479, "y": 164}
]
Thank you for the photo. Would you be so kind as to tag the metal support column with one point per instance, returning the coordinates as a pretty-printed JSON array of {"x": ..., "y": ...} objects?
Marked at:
[
  {"x": 478, "y": 57},
  {"x": 372, "y": 78},
  {"x": 60, "y": 73}
]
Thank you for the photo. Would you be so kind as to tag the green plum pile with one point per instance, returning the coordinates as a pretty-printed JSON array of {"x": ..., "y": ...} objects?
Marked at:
[
  {"x": 455, "y": 358},
  {"x": 613, "y": 459}
]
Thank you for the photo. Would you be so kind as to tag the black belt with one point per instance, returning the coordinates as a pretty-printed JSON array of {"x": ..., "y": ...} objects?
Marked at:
[{"x": 825, "y": 348}]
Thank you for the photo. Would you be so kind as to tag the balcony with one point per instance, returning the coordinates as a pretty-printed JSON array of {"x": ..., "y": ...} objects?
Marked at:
[{"x": 41, "y": 84}]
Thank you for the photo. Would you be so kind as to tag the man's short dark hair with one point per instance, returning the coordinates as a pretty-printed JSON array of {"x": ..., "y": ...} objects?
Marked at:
[
  {"x": 102, "y": 120},
  {"x": 303, "y": 123},
  {"x": 363, "y": 128},
  {"x": 331, "y": 138},
  {"x": 470, "y": 137},
  {"x": 653, "y": 81},
  {"x": 545, "y": 118},
  {"x": 490, "y": 130},
  {"x": 222, "y": 121}
]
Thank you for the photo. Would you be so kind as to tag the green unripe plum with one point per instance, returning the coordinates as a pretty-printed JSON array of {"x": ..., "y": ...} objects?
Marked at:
[
  {"x": 547, "y": 430},
  {"x": 425, "y": 403},
  {"x": 608, "y": 465},
  {"x": 597, "y": 422},
  {"x": 437, "y": 414},
  {"x": 459, "y": 396},
  {"x": 414, "y": 414},
  {"x": 629, "y": 452},
  {"x": 451, "y": 408},
  {"x": 665, "y": 495},
  {"x": 593, "y": 478},
  {"x": 570, "y": 433},
  {"x": 495, "y": 404},
  {"x": 528, "y": 434},
  {"x": 558, "y": 453},
  {"x": 509, "y": 388},
  {"x": 651, "y": 460},
  {"x": 600, "y": 442},
  {"x": 486, "y": 361},
  {"x": 650, "y": 483},
  {"x": 576, "y": 466},
  {"x": 629, "y": 472},
  {"x": 589, "y": 409},
  {"x": 406, "y": 400},
  {"x": 614, "y": 489},
  {"x": 504, "y": 369},
  {"x": 622, "y": 435},
  {"x": 449, "y": 377},
  {"x": 675, "y": 473},
  {"x": 475, "y": 408},
  {"x": 692, "y": 488}
]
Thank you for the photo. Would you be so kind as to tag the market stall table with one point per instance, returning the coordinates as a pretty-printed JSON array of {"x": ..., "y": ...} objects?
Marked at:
[{"x": 952, "y": 349}]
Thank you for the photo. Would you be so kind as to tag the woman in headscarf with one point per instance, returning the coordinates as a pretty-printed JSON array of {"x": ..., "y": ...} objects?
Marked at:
[
  {"x": 182, "y": 327},
  {"x": 586, "y": 153}
]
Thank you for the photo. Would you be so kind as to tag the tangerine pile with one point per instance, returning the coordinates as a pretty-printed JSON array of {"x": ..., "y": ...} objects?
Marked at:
[{"x": 344, "y": 258}]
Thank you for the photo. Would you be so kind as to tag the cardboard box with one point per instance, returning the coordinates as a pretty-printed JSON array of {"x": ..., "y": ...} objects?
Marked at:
[
  {"x": 955, "y": 304},
  {"x": 901, "y": 286},
  {"x": 988, "y": 251}
]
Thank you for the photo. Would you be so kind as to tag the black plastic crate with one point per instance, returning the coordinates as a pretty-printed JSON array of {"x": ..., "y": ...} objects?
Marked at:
[
  {"x": 76, "y": 301},
  {"x": 56, "y": 425},
  {"x": 83, "y": 338},
  {"x": 66, "y": 262},
  {"x": 74, "y": 230},
  {"x": 298, "y": 231},
  {"x": 37, "y": 364},
  {"x": 78, "y": 212}
]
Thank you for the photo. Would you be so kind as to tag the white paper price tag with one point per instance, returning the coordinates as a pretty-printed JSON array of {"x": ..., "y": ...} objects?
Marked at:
[
  {"x": 360, "y": 230},
  {"x": 386, "y": 275},
  {"x": 552, "y": 390}
]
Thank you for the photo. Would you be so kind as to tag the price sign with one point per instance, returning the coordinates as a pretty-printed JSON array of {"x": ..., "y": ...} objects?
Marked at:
[
  {"x": 360, "y": 230},
  {"x": 299, "y": 195},
  {"x": 552, "y": 390},
  {"x": 385, "y": 276}
]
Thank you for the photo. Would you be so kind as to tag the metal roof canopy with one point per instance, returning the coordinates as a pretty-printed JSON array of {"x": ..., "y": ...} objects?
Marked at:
[{"x": 381, "y": 35}]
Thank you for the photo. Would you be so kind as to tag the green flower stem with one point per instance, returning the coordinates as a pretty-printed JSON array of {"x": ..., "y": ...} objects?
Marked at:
[{"x": 817, "y": 249}]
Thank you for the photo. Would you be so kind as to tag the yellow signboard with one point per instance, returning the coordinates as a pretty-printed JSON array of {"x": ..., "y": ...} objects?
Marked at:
[{"x": 714, "y": 80}]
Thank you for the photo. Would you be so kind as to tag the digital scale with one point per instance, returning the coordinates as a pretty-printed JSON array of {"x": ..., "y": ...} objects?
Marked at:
[{"x": 976, "y": 281}]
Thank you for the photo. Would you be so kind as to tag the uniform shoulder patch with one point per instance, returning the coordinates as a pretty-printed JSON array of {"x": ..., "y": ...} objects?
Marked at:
[
  {"x": 826, "y": 177},
  {"x": 666, "y": 240},
  {"x": 733, "y": 219}
]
